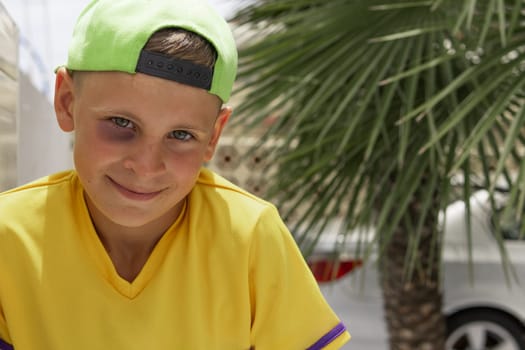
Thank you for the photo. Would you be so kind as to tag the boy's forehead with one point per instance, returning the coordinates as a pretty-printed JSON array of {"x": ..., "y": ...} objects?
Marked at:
[{"x": 129, "y": 91}]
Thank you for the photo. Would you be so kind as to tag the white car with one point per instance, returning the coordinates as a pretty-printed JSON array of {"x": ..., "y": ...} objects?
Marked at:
[{"x": 485, "y": 312}]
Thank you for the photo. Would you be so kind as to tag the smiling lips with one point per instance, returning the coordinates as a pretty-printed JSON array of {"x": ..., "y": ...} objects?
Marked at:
[{"x": 134, "y": 195}]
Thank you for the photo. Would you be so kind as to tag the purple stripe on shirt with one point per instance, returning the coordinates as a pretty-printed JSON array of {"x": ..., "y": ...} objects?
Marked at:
[
  {"x": 5, "y": 346},
  {"x": 328, "y": 337}
]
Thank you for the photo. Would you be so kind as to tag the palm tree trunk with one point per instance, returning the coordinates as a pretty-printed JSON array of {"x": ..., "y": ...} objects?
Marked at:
[{"x": 413, "y": 306}]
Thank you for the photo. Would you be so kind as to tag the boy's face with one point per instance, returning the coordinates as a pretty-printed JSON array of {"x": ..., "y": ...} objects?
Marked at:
[{"x": 140, "y": 141}]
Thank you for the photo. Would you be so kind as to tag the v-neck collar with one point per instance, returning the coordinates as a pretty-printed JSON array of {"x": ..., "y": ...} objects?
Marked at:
[{"x": 102, "y": 259}]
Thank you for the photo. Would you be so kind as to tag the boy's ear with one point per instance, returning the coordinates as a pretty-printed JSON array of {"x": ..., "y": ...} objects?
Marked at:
[
  {"x": 64, "y": 98},
  {"x": 223, "y": 117}
]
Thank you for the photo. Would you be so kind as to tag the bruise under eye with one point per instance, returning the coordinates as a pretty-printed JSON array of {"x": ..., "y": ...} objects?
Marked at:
[{"x": 113, "y": 133}]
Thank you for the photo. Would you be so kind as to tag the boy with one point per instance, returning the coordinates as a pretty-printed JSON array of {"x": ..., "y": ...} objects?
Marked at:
[{"x": 140, "y": 247}]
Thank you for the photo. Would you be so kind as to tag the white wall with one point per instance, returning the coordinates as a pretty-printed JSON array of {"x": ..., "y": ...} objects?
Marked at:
[
  {"x": 42, "y": 147},
  {"x": 8, "y": 99}
]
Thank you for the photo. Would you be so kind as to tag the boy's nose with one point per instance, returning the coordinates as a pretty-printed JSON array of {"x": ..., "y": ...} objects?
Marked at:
[{"x": 145, "y": 159}]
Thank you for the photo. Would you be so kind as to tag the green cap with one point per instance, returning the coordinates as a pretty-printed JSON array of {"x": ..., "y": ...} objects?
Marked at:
[{"x": 110, "y": 36}]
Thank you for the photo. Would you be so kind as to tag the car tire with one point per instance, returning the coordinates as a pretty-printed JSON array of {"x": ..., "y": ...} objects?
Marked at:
[{"x": 484, "y": 329}]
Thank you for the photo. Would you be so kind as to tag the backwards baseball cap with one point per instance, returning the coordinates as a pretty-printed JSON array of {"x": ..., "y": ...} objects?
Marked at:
[{"x": 110, "y": 36}]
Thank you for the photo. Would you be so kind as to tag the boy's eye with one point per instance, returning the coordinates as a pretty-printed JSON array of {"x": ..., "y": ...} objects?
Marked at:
[
  {"x": 180, "y": 135},
  {"x": 121, "y": 122}
]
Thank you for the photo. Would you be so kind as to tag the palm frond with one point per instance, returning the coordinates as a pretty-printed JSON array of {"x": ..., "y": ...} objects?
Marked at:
[{"x": 373, "y": 101}]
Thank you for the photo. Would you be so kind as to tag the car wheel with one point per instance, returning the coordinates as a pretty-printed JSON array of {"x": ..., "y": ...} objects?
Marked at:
[{"x": 484, "y": 330}]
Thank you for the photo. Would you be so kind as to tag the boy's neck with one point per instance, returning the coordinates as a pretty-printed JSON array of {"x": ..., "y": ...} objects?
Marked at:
[{"x": 130, "y": 247}]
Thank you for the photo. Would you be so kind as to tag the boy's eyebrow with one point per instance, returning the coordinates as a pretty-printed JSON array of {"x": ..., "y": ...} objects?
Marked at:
[
  {"x": 114, "y": 112},
  {"x": 190, "y": 127}
]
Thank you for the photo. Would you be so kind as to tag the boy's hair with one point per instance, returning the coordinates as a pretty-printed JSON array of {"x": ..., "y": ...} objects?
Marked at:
[{"x": 184, "y": 45}]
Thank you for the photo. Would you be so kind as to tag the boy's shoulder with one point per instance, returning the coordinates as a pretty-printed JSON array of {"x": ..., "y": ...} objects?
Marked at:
[
  {"x": 212, "y": 187},
  {"x": 213, "y": 183},
  {"x": 30, "y": 200},
  {"x": 226, "y": 208},
  {"x": 27, "y": 209},
  {"x": 41, "y": 185}
]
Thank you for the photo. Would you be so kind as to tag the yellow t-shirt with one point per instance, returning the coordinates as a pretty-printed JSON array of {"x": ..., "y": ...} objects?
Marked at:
[{"x": 227, "y": 275}]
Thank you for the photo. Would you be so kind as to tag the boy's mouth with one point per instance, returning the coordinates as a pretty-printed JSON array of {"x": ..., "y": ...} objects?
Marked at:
[{"x": 134, "y": 194}]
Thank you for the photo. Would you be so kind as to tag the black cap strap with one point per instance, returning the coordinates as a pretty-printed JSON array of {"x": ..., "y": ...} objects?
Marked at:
[{"x": 170, "y": 68}]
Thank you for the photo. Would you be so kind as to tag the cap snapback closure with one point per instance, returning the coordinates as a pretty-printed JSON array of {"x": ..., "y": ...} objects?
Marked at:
[{"x": 167, "y": 67}]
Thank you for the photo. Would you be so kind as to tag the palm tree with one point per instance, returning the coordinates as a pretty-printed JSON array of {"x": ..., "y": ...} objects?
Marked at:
[{"x": 376, "y": 106}]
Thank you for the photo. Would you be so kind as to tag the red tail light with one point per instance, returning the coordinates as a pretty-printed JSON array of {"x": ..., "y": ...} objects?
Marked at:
[{"x": 329, "y": 270}]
